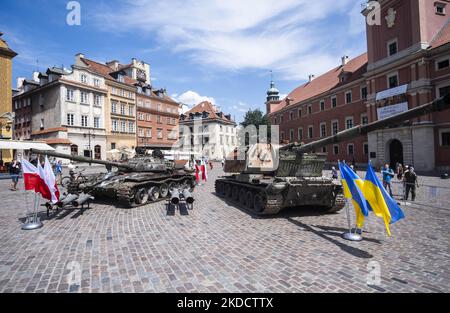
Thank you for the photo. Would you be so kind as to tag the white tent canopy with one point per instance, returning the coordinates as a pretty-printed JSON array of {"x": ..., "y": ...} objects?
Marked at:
[{"x": 24, "y": 145}]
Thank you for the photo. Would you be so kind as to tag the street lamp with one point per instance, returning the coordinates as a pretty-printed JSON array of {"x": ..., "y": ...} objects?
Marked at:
[{"x": 89, "y": 135}]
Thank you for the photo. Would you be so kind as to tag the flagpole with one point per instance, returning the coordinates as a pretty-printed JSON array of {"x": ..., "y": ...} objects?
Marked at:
[
  {"x": 350, "y": 235},
  {"x": 33, "y": 221}
]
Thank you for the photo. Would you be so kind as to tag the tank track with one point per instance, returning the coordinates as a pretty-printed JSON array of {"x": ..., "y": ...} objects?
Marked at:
[
  {"x": 273, "y": 203},
  {"x": 127, "y": 191},
  {"x": 339, "y": 203}
]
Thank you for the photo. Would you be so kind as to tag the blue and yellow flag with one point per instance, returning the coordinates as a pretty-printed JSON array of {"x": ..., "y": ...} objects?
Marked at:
[
  {"x": 353, "y": 189},
  {"x": 380, "y": 202}
]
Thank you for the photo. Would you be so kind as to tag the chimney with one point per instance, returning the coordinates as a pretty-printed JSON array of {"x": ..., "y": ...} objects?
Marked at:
[
  {"x": 80, "y": 55},
  {"x": 345, "y": 60},
  {"x": 20, "y": 82},
  {"x": 311, "y": 77},
  {"x": 36, "y": 76}
]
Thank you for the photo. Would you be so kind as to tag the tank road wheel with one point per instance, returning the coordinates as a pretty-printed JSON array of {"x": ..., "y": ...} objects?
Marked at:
[
  {"x": 339, "y": 204},
  {"x": 173, "y": 185},
  {"x": 259, "y": 202},
  {"x": 227, "y": 190},
  {"x": 220, "y": 188},
  {"x": 153, "y": 193},
  {"x": 249, "y": 200},
  {"x": 242, "y": 196},
  {"x": 235, "y": 193},
  {"x": 141, "y": 196},
  {"x": 164, "y": 190}
]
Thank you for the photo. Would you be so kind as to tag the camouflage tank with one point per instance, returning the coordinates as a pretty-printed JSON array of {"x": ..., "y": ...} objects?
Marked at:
[
  {"x": 140, "y": 180},
  {"x": 267, "y": 178}
]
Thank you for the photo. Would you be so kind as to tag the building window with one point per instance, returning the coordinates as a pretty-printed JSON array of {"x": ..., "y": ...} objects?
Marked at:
[
  {"x": 335, "y": 127},
  {"x": 149, "y": 132},
  {"x": 115, "y": 125},
  {"x": 445, "y": 139},
  {"x": 160, "y": 133},
  {"x": 74, "y": 150},
  {"x": 299, "y": 112},
  {"x": 349, "y": 122},
  {"x": 281, "y": 135},
  {"x": 158, "y": 119},
  {"x": 444, "y": 91},
  {"x": 441, "y": 64},
  {"x": 131, "y": 110},
  {"x": 70, "y": 95},
  {"x": 324, "y": 149},
  {"x": 348, "y": 97},
  {"x": 122, "y": 109},
  {"x": 393, "y": 81},
  {"x": 114, "y": 107},
  {"x": 84, "y": 97},
  {"x": 364, "y": 93},
  {"x": 291, "y": 135},
  {"x": 131, "y": 127},
  {"x": 364, "y": 119},
  {"x": 96, "y": 100},
  {"x": 350, "y": 149},
  {"x": 322, "y": 105},
  {"x": 392, "y": 47},
  {"x": 336, "y": 149},
  {"x": 334, "y": 102},
  {"x": 440, "y": 8},
  {"x": 96, "y": 82},
  {"x": 123, "y": 126},
  {"x": 97, "y": 152},
  {"x": 113, "y": 145},
  {"x": 70, "y": 119},
  {"x": 291, "y": 116},
  {"x": 366, "y": 148},
  {"x": 84, "y": 121},
  {"x": 141, "y": 132},
  {"x": 42, "y": 124},
  {"x": 149, "y": 117},
  {"x": 310, "y": 132},
  {"x": 300, "y": 134},
  {"x": 96, "y": 122},
  {"x": 83, "y": 78},
  {"x": 323, "y": 130},
  {"x": 309, "y": 108},
  {"x": 120, "y": 78}
]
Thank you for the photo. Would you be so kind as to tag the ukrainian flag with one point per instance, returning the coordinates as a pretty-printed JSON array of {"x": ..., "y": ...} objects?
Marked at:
[
  {"x": 379, "y": 200},
  {"x": 353, "y": 186}
]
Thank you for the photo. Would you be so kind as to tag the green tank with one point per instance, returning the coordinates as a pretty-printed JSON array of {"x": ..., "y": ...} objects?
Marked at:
[
  {"x": 265, "y": 178},
  {"x": 140, "y": 180}
]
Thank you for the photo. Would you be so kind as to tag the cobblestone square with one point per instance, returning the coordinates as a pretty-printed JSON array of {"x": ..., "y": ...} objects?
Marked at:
[{"x": 216, "y": 247}]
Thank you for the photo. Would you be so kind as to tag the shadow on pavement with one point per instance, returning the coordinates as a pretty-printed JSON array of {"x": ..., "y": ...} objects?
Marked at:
[{"x": 325, "y": 235}]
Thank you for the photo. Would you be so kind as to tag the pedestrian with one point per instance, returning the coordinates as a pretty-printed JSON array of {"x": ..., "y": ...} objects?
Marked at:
[
  {"x": 399, "y": 171},
  {"x": 334, "y": 173},
  {"x": 223, "y": 162},
  {"x": 58, "y": 171},
  {"x": 14, "y": 171},
  {"x": 71, "y": 166},
  {"x": 211, "y": 165},
  {"x": 411, "y": 182},
  {"x": 388, "y": 173},
  {"x": 353, "y": 168}
]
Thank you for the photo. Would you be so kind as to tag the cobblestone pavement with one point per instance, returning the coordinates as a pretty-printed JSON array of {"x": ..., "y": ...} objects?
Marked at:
[{"x": 219, "y": 248}]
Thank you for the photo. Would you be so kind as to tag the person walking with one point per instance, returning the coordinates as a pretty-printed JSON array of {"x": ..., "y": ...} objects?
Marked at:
[
  {"x": 388, "y": 173},
  {"x": 223, "y": 162},
  {"x": 399, "y": 171},
  {"x": 334, "y": 173},
  {"x": 58, "y": 171},
  {"x": 14, "y": 171},
  {"x": 411, "y": 182}
]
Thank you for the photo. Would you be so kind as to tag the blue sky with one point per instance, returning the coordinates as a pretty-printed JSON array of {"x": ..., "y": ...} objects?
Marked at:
[{"x": 211, "y": 49}]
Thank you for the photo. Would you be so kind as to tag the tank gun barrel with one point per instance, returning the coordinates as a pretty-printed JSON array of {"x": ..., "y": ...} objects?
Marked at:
[
  {"x": 79, "y": 158},
  {"x": 440, "y": 104}
]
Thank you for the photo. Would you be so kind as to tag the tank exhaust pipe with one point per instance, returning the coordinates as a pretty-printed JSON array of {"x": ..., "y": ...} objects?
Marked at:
[
  {"x": 70, "y": 198},
  {"x": 174, "y": 196},
  {"x": 188, "y": 196},
  {"x": 82, "y": 199}
]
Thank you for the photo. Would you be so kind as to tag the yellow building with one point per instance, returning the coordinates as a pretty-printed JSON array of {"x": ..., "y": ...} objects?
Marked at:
[{"x": 6, "y": 116}]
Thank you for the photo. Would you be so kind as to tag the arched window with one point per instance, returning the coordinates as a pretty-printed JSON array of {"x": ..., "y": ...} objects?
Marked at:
[
  {"x": 74, "y": 150},
  {"x": 97, "y": 152}
]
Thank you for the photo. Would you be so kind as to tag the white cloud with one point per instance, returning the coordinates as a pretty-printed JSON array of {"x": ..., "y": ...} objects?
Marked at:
[
  {"x": 192, "y": 98},
  {"x": 282, "y": 35}
]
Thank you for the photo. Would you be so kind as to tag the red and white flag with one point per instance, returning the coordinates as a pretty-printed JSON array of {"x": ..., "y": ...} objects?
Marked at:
[
  {"x": 204, "y": 171},
  {"x": 49, "y": 181},
  {"x": 31, "y": 176},
  {"x": 197, "y": 172}
]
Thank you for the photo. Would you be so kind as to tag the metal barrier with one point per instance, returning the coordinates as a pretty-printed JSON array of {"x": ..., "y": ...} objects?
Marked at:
[{"x": 425, "y": 195}]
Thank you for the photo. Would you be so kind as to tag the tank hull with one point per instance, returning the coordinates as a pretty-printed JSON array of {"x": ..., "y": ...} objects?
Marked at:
[{"x": 270, "y": 196}]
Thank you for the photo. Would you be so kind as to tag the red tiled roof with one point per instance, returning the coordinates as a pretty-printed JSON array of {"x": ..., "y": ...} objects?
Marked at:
[
  {"x": 355, "y": 68},
  {"x": 208, "y": 107},
  {"x": 56, "y": 141},
  {"x": 49, "y": 130},
  {"x": 442, "y": 37},
  {"x": 106, "y": 71}
]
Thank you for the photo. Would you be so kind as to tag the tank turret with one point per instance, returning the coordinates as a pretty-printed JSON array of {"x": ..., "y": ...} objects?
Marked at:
[{"x": 267, "y": 177}]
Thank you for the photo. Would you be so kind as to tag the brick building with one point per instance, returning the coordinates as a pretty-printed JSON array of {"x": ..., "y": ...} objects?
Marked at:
[{"x": 407, "y": 64}]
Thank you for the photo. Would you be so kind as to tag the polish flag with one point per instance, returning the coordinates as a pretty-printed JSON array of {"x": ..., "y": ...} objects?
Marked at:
[
  {"x": 31, "y": 177},
  {"x": 204, "y": 171},
  {"x": 197, "y": 172},
  {"x": 50, "y": 181}
]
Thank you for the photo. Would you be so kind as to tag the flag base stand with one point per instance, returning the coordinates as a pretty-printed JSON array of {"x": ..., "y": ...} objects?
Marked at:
[
  {"x": 352, "y": 236},
  {"x": 32, "y": 225}
]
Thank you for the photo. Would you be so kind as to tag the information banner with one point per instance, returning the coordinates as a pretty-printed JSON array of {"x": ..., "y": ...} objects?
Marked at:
[{"x": 391, "y": 110}]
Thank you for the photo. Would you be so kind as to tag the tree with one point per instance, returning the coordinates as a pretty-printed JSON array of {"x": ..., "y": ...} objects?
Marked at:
[{"x": 257, "y": 118}]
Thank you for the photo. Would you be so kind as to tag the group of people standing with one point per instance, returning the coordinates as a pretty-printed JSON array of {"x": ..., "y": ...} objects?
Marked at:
[{"x": 405, "y": 174}]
